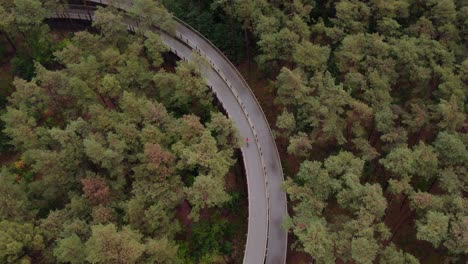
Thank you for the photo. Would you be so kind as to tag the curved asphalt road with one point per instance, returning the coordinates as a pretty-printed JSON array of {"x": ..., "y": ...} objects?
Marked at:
[{"x": 266, "y": 240}]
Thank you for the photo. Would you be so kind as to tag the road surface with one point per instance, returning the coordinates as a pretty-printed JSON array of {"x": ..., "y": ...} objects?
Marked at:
[{"x": 266, "y": 240}]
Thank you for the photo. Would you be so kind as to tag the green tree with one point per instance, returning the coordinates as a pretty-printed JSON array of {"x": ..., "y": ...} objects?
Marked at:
[
  {"x": 7, "y": 25},
  {"x": 70, "y": 250},
  {"x": 310, "y": 56},
  {"x": 300, "y": 145},
  {"x": 451, "y": 148},
  {"x": 206, "y": 192},
  {"x": 352, "y": 16},
  {"x": 185, "y": 90},
  {"x": 154, "y": 219},
  {"x": 368, "y": 69},
  {"x": 29, "y": 14},
  {"x": 354, "y": 234},
  {"x": 111, "y": 24},
  {"x": 317, "y": 240},
  {"x": 285, "y": 123},
  {"x": 134, "y": 72},
  {"x": 277, "y": 47},
  {"x": 292, "y": 89},
  {"x": 161, "y": 251},
  {"x": 364, "y": 250},
  {"x": 14, "y": 203},
  {"x": 434, "y": 229},
  {"x": 23, "y": 20},
  {"x": 107, "y": 244},
  {"x": 154, "y": 47},
  {"x": 392, "y": 255},
  {"x": 224, "y": 131},
  {"x": 151, "y": 14},
  {"x": 18, "y": 240}
]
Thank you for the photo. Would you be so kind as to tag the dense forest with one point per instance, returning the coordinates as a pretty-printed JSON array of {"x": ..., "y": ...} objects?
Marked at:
[
  {"x": 114, "y": 153},
  {"x": 370, "y": 109},
  {"x": 105, "y": 137}
]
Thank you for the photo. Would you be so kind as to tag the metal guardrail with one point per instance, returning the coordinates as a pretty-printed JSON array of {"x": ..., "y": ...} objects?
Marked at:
[{"x": 88, "y": 16}]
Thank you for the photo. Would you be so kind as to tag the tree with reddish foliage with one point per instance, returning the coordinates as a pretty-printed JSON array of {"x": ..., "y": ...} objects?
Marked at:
[
  {"x": 159, "y": 160},
  {"x": 96, "y": 190}
]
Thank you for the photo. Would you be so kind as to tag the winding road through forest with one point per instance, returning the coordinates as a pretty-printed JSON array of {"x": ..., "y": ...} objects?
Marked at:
[{"x": 266, "y": 240}]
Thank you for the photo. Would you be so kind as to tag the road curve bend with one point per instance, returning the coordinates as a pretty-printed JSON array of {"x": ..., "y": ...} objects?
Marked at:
[{"x": 266, "y": 239}]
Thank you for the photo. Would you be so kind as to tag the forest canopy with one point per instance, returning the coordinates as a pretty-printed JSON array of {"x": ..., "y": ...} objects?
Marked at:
[
  {"x": 368, "y": 101},
  {"x": 110, "y": 140},
  {"x": 371, "y": 96}
]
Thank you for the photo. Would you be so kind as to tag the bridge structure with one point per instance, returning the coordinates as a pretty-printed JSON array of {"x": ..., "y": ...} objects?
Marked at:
[{"x": 266, "y": 240}]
